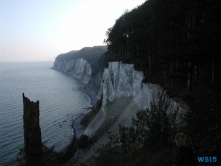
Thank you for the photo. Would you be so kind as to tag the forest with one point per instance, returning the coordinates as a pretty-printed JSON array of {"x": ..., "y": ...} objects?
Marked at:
[
  {"x": 175, "y": 43},
  {"x": 178, "y": 37}
]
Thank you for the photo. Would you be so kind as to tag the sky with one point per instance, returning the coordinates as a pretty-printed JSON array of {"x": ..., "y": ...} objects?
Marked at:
[{"x": 39, "y": 30}]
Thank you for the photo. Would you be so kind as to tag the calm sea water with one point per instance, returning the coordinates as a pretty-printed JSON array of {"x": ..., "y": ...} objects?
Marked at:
[{"x": 60, "y": 99}]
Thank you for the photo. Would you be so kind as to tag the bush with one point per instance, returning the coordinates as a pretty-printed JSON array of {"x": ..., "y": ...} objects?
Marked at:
[
  {"x": 150, "y": 135},
  {"x": 84, "y": 141},
  {"x": 49, "y": 156},
  {"x": 155, "y": 127},
  {"x": 203, "y": 122}
]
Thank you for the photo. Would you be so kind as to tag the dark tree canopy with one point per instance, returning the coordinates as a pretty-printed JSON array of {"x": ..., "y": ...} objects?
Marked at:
[{"x": 181, "y": 35}]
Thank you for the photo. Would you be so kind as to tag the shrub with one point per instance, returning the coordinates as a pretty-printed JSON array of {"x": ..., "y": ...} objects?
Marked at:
[
  {"x": 49, "y": 156},
  {"x": 155, "y": 127},
  {"x": 203, "y": 122},
  {"x": 151, "y": 133},
  {"x": 84, "y": 141}
]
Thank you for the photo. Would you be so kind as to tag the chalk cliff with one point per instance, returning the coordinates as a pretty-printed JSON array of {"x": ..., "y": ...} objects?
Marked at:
[
  {"x": 80, "y": 64},
  {"x": 94, "y": 85},
  {"x": 79, "y": 69},
  {"x": 124, "y": 94},
  {"x": 120, "y": 87}
]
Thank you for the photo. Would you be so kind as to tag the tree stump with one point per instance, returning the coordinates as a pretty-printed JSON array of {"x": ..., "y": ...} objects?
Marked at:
[{"x": 32, "y": 133}]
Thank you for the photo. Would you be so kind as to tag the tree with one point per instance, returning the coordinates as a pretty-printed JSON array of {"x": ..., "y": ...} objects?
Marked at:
[
  {"x": 203, "y": 121},
  {"x": 152, "y": 131},
  {"x": 174, "y": 33}
]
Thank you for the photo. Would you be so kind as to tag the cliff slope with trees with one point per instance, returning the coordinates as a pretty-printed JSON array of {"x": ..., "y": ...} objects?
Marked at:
[
  {"x": 93, "y": 55},
  {"x": 174, "y": 43},
  {"x": 175, "y": 39}
]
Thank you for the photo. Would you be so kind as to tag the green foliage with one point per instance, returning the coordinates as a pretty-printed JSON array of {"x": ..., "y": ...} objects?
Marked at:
[
  {"x": 88, "y": 53},
  {"x": 50, "y": 157},
  {"x": 100, "y": 63},
  {"x": 84, "y": 141},
  {"x": 203, "y": 121},
  {"x": 94, "y": 55},
  {"x": 155, "y": 127},
  {"x": 21, "y": 157},
  {"x": 150, "y": 135},
  {"x": 174, "y": 33}
]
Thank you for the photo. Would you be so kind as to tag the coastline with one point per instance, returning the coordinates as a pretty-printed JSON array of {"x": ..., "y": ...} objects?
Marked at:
[
  {"x": 92, "y": 96},
  {"x": 75, "y": 124},
  {"x": 77, "y": 128}
]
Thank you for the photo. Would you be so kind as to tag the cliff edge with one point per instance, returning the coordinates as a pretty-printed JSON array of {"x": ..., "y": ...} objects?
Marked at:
[{"x": 81, "y": 64}]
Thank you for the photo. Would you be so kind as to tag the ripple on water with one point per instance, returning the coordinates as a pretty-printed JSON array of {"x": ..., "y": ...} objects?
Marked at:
[{"x": 59, "y": 105}]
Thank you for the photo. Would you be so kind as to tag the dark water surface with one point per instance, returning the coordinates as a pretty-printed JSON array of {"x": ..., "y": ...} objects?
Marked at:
[{"x": 60, "y": 103}]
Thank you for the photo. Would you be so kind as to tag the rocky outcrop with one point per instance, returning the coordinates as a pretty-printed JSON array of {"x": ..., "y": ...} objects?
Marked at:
[
  {"x": 94, "y": 85},
  {"x": 70, "y": 65},
  {"x": 120, "y": 86},
  {"x": 124, "y": 94},
  {"x": 79, "y": 68},
  {"x": 81, "y": 64}
]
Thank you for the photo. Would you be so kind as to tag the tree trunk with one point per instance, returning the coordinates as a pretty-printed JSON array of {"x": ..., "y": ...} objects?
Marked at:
[
  {"x": 189, "y": 78},
  {"x": 213, "y": 71},
  {"x": 195, "y": 73},
  {"x": 150, "y": 64},
  {"x": 32, "y": 133},
  {"x": 189, "y": 82},
  {"x": 164, "y": 71}
]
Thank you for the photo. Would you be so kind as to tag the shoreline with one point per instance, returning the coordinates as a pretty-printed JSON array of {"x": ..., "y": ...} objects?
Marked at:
[
  {"x": 92, "y": 96},
  {"x": 77, "y": 128}
]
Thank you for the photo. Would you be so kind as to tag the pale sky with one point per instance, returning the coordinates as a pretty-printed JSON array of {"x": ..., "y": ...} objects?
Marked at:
[{"x": 39, "y": 30}]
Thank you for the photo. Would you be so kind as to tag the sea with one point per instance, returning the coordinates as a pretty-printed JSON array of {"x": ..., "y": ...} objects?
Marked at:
[{"x": 61, "y": 101}]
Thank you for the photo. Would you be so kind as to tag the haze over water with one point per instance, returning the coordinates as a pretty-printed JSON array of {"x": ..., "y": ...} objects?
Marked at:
[{"x": 60, "y": 103}]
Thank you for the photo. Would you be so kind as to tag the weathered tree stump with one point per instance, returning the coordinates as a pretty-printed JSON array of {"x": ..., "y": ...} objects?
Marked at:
[{"x": 32, "y": 133}]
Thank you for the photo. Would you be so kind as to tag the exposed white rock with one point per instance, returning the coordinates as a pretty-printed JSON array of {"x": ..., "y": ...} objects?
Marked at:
[
  {"x": 61, "y": 66},
  {"x": 80, "y": 65},
  {"x": 94, "y": 85},
  {"x": 88, "y": 69},
  {"x": 82, "y": 70},
  {"x": 69, "y": 65},
  {"x": 124, "y": 94},
  {"x": 79, "y": 68}
]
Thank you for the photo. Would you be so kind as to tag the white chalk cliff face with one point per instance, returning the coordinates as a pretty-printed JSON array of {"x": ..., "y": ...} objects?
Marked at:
[
  {"x": 94, "y": 85},
  {"x": 79, "y": 69},
  {"x": 124, "y": 94}
]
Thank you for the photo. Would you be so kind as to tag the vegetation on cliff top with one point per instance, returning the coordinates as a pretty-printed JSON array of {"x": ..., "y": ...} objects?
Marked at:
[
  {"x": 94, "y": 55},
  {"x": 149, "y": 141},
  {"x": 174, "y": 42},
  {"x": 151, "y": 134},
  {"x": 88, "y": 53}
]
